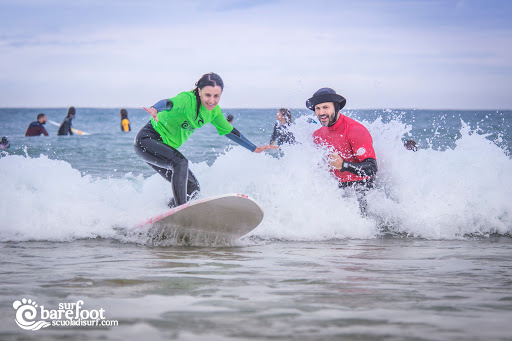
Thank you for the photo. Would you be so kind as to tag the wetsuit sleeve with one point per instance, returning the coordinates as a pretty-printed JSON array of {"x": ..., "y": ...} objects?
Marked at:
[
  {"x": 45, "y": 133},
  {"x": 236, "y": 136},
  {"x": 164, "y": 104},
  {"x": 368, "y": 167}
]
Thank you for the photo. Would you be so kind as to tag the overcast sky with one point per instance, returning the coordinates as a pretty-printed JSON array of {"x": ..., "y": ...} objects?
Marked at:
[{"x": 437, "y": 54}]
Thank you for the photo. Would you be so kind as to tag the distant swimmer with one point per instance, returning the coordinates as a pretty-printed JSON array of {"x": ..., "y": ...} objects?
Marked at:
[
  {"x": 65, "y": 127},
  {"x": 172, "y": 122},
  {"x": 36, "y": 128},
  {"x": 4, "y": 144},
  {"x": 353, "y": 159},
  {"x": 281, "y": 134},
  {"x": 410, "y": 145},
  {"x": 125, "y": 122},
  {"x": 229, "y": 118}
]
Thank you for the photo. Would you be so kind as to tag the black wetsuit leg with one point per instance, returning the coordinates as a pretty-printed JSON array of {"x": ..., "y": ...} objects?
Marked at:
[
  {"x": 193, "y": 188},
  {"x": 168, "y": 162},
  {"x": 360, "y": 188}
]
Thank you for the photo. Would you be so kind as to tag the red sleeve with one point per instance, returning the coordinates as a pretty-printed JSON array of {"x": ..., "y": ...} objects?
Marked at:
[
  {"x": 44, "y": 131},
  {"x": 361, "y": 142}
]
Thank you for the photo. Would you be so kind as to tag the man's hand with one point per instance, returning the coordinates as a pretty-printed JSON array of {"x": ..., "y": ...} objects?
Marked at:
[{"x": 335, "y": 161}]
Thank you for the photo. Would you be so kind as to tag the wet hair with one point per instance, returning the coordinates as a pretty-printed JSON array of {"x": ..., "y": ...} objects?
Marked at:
[
  {"x": 71, "y": 111},
  {"x": 39, "y": 116},
  {"x": 410, "y": 145},
  {"x": 5, "y": 141},
  {"x": 124, "y": 113},
  {"x": 208, "y": 79},
  {"x": 229, "y": 118},
  {"x": 287, "y": 115}
]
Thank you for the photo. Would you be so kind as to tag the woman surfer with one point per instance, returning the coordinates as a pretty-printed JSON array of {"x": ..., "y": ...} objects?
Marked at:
[{"x": 172, "y": 122}]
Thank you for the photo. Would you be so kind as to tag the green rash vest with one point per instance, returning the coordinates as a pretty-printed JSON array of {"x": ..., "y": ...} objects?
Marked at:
[{"x": 176, "y": 125}]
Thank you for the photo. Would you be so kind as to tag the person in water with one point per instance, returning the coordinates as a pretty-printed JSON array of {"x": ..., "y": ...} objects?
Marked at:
[
  {"x": 36, "y": 128},
  {"x": 281, "y": 134},
  {"x": 172, "y": 122},
  {"x": 4, "y": 144},
  {"x": 229, "y": 118},
  {"x": 66, "y": 127},
  {"x": 125, "y": 122},
  {"x": 352, "y": 159},
  {"x": 410, "y": 145}
]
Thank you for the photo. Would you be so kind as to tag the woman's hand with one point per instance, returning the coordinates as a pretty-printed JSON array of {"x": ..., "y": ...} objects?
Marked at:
[
  {"x": 153, "y": 112},
  {"x": 263, "y": 148}
]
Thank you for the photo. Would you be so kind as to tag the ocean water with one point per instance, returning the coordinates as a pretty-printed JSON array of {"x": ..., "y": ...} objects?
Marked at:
[{"x": 432, "y": 260}]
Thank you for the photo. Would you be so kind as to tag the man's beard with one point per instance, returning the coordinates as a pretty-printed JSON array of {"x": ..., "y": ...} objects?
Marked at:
[{"x": 333, "y": 120}]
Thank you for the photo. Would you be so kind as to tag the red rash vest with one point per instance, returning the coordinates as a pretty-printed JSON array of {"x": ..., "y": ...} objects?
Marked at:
[{"x": 350, "y": 140}]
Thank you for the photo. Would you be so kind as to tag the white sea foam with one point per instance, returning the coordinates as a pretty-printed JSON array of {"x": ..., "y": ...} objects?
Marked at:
[
  {"x": 49, "y": 200},
  {"x": 430, "y": 193}
]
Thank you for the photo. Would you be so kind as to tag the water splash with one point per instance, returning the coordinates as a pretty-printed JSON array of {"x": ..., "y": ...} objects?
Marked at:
[{"x": 432, "y": 193}]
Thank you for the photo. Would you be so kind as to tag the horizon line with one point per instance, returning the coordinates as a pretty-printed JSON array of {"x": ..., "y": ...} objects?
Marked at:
[{"x": 260, "y": 108}]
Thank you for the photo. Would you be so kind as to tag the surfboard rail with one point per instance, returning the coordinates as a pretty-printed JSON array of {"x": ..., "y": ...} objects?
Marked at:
[
  {"x": 191, "y": 203},
  {"x": 224, "y": 214}
]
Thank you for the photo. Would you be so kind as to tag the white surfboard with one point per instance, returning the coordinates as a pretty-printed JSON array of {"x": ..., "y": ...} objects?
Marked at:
[
  {"x": 228, "y": 216},
  {"x": 76, "y": 131}
]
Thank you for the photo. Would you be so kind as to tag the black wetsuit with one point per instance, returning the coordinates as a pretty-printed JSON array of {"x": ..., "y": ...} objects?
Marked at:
[
  {"x": 281, "y": 135},
  {"x": 168, "y": 162},
  {"x": 65, "y": 127}
]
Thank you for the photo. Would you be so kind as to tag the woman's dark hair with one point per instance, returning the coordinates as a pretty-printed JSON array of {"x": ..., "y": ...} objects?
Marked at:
[
  {"x": 209, "y": 79},
  {"x": 287, "y": 115},
  {"x": 71, "y": 111},
  {"x": 124, "y": 114}
]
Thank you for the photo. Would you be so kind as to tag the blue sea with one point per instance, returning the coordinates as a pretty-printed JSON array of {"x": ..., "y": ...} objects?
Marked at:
[{"x": 432, "y": 259}]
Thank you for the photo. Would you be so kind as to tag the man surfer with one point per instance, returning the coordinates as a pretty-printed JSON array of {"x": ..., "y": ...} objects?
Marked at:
[
  {"x": 172, "y": 122},
  {"x": 36, "y": 128},
  {"x": 352, "y": 157}
]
